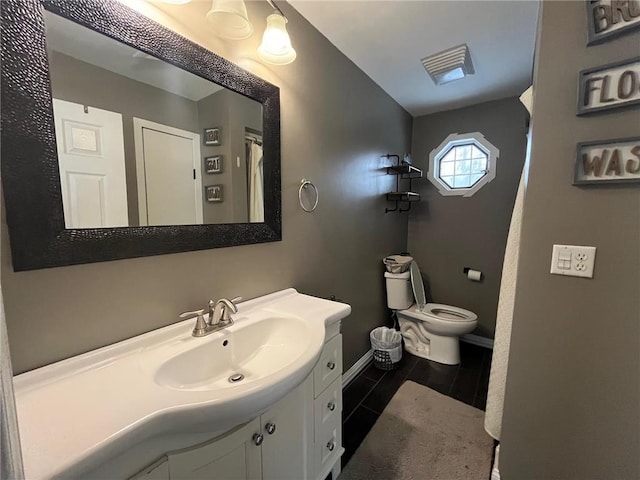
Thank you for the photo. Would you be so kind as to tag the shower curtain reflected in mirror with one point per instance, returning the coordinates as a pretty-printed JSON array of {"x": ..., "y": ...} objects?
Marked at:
[{"x": 256, "y": 192}]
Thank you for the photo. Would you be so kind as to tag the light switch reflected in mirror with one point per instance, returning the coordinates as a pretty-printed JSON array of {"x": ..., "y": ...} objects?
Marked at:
[{"x": 140, "y": 141}]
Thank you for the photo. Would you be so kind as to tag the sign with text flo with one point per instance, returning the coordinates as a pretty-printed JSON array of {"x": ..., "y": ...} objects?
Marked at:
[
  {"x": 610, "y": 86},
  {"x": 608, "y": 161}
]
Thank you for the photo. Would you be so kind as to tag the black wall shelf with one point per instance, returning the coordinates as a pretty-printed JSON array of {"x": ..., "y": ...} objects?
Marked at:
[{"x": 403, "y": 171}]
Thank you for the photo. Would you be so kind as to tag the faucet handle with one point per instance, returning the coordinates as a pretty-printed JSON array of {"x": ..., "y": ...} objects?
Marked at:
[
  {"x": 193, "y": 314},
  {"x": 201, "y": 325}
]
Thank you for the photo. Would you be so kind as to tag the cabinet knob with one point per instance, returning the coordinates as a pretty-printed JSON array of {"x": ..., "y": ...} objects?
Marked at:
[
  {"x": 331, "y": 446},
  {"x": 258, "y": 438},
  {"x": 270, "y": 428},
  {"x": 331, "y": 365},
  {"x": 331, "y": 406}
]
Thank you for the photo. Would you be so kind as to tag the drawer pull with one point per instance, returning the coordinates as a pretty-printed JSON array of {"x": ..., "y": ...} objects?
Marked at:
[
  {"x": 331, "y": 406},
  {"x": 331, "y": 446},
  {"x": 258, "y": 438},
  {"x": 270, "y": 428},
  {"x": 331, "y": 365}
]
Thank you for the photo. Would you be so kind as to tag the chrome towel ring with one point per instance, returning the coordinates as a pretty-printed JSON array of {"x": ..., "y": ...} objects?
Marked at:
[{"x": 304, "y": 184}]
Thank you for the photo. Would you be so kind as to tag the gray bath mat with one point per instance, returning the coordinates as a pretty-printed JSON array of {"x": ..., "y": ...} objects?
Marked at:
[{"x": 423, "y": 435}]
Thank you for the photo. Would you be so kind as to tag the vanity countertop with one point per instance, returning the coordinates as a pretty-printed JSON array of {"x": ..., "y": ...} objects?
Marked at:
[{"x": 75, "y": 414}]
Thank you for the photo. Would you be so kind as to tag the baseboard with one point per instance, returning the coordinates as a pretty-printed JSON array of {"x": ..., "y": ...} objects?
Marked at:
[
  {"x": 478, "y": 340},
  {"x": 356, "y": 368},
  {"x": 495, "y": 470}
]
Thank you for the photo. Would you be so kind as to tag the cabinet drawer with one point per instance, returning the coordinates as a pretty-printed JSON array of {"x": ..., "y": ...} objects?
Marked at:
[
  {"x": 329, "y": 366},
  {"x": 328, "y": 449},
  {"x": 327, "y": 409}
]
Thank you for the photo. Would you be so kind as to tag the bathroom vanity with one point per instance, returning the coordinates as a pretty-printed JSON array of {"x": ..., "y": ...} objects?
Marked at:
[
  {"x": 163, "y": 405},
  {"x": 299, "y": 437}
]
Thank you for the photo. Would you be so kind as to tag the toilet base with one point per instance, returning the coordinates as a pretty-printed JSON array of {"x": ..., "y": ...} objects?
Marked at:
[{"x": 421, "y": 343}]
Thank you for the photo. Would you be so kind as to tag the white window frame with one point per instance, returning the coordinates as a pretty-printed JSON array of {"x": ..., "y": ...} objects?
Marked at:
[{"x": 454, "y": 140}]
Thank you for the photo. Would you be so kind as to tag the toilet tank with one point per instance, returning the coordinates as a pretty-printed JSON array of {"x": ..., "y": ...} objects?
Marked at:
[{"x": 399, "y": 293}]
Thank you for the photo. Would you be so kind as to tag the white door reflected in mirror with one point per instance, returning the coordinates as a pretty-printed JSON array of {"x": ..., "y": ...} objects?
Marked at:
[
  {"x": 169, "y": 180},
  {"x": 92, "y": 169}
]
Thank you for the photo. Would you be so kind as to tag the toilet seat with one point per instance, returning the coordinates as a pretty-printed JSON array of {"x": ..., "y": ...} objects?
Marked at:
[
  {"x": 436, "y": 311},
  {"x": 448, "y": 313}
]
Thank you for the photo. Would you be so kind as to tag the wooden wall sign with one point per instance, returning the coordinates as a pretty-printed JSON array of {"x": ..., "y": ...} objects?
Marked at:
[
  {"x": 609, "y": 86},
  {"x": 610, "y": 18},
  {"x": 608, "y": 161}
]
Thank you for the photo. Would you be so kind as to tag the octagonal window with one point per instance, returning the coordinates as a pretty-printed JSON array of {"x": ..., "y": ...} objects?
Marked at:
[{"x": 462, "y": 164}]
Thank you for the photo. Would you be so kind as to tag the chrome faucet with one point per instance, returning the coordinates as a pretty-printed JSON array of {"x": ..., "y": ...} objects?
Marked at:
[
  {"x": 219, "y": 311},
  {"x": 219, "y": 316}
]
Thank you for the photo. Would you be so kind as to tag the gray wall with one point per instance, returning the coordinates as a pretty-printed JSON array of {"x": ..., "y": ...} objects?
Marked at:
[
  {"x": 447, "y": 234},
  {"x": 231, "y": 112},
  {"x": 336, "y": 124},
  {"x": 572, "y": 394},
  {"x": 80, "y": 82},
  {"x": 213, "y": 111}
]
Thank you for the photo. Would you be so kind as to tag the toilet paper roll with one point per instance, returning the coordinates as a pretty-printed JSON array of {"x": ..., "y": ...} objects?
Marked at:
[{"x": 474, "y": 275}]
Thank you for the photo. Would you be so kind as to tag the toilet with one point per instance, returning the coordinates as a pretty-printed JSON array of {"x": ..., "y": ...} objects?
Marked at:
[{"x": 429, "y": 330}]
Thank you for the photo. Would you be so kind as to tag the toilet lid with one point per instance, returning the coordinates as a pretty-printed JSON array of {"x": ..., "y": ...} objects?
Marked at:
[{"x": 418, "y": 286}]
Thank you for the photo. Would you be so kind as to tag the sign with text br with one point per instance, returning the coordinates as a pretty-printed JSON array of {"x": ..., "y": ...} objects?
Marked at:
[{"x": 610, "y": 18}]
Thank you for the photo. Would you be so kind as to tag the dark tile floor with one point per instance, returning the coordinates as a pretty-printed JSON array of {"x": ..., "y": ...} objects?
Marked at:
[{"x": 366, "y": 396}]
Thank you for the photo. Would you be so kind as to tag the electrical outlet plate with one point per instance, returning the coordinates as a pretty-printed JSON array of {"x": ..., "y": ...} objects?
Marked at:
[{"x": 573, "y": 260}]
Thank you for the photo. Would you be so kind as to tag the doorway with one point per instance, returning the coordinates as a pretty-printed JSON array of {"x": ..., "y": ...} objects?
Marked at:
[{"x": 168, "y": 174}]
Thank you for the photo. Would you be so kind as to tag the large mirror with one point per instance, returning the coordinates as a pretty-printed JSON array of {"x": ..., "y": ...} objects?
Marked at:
[
  {"x": 143, "y": 142},
  {"x": 121, "y": 138}
]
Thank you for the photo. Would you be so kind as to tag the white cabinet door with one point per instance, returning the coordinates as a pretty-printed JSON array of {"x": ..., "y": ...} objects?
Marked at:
[
  {"x": 284, "y": 452},
  {"x": 234, "y": 457}
]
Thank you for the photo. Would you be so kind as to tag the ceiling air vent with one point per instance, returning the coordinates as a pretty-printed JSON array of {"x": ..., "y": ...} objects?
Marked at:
[{"x": 449, "y": 65}]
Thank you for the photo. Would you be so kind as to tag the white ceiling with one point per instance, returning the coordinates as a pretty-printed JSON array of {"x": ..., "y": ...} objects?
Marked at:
[
  {"x": 88, "y": 46},
  {"x": 387, "y": 40}
]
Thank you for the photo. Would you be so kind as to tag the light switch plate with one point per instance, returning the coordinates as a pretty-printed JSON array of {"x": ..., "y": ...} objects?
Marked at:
[{"x": 573, "y": 260}]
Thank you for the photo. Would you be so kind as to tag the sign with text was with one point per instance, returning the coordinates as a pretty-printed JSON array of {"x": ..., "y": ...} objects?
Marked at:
[{"x": 608, "y": 161}]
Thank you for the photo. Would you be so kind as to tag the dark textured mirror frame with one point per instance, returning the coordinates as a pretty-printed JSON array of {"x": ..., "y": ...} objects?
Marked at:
[{"x": 30, "y": 174}]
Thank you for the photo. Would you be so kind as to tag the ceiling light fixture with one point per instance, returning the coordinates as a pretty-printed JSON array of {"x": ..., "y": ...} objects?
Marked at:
[
  {"x": 229, "y": 19},
  {"x": 449, "y": 65},
  {"x": 276, "y": 46}
]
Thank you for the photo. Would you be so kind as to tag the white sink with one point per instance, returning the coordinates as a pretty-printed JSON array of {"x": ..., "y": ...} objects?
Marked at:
[
  {"x": 257, "y": 351},
  {"x": 78, "y": 413}
]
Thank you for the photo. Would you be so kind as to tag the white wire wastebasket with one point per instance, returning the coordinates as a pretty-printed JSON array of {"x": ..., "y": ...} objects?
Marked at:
[{"x": 386, "y": 344}]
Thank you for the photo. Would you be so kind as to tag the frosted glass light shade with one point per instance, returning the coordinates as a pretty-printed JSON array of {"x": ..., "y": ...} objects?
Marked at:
[
  {"x": 229, "y": 19},
  {"x": 276, "y": 45}
]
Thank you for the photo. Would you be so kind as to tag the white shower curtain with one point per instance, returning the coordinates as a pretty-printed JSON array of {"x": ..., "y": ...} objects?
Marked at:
[
  {"x": 256, "y": 189},
  {"x": 10, "y": 453},
  {"x": 504, "y": 319},
  {"x": 506, "y": 301}
]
